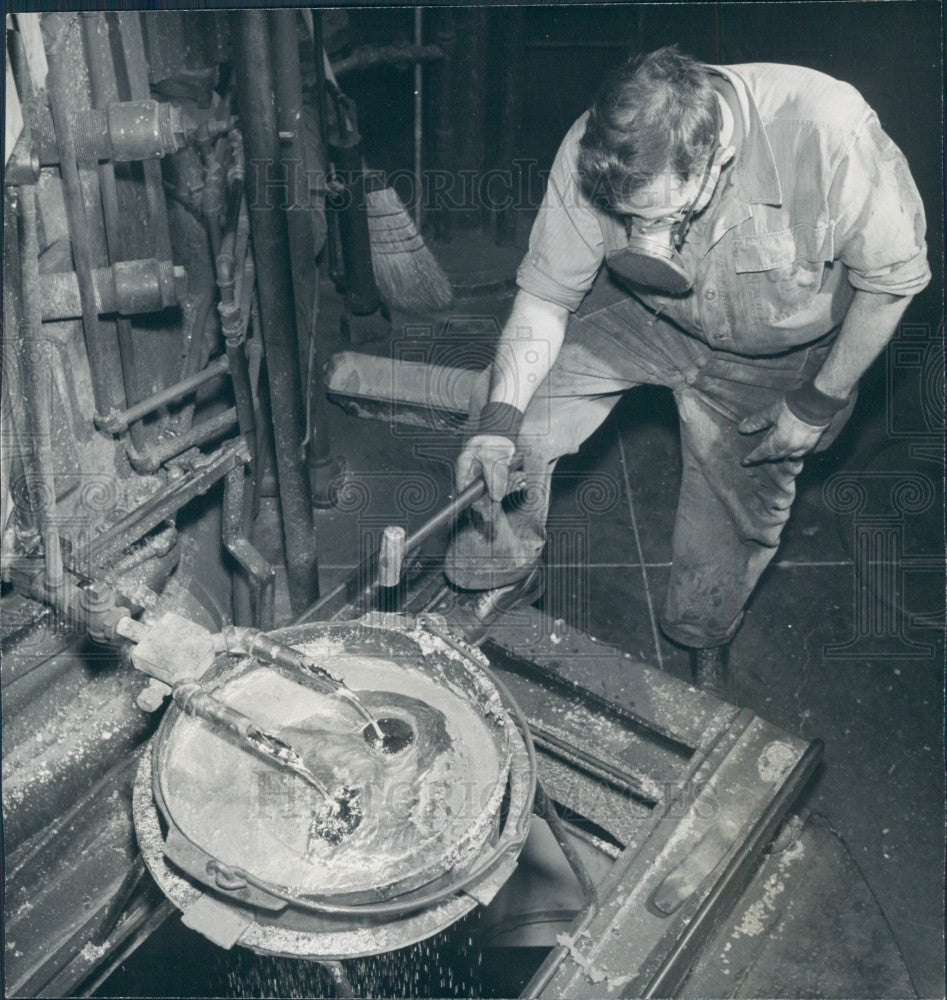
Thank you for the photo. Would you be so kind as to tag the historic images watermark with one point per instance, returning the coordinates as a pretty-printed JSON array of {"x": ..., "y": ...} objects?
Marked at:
[{"x": 896, "y": 487}]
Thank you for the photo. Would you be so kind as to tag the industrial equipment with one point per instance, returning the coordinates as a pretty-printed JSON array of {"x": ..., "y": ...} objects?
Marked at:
[{"x": 359, "y": 779}]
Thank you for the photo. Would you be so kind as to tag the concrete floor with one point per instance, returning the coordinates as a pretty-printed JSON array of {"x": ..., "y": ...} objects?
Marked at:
[{"x": 877, "y": 704}]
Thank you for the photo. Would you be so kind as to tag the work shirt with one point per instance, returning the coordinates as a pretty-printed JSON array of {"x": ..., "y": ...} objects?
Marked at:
[{"x": 817, "y": 202}]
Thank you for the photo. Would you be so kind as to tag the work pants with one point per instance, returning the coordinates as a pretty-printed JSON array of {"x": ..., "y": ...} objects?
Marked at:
[{"x": 729, "y": 516}]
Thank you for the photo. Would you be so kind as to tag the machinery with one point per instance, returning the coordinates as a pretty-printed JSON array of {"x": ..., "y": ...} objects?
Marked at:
[{"x": 359, "y": 779}]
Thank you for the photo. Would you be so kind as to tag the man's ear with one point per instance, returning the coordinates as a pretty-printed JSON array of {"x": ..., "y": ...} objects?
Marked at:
[{"x": 724, "y": 155}]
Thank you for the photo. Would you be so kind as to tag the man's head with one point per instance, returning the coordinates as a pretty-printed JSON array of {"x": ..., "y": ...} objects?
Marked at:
[{"x": 651, "y": 134}]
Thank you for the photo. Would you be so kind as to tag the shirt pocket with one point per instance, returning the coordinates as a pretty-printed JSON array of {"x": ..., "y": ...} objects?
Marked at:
[{"x": 781, "y": 272}]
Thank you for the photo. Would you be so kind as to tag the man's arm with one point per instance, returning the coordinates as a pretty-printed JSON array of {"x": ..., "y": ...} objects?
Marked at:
[
  {"x": 869, "y": 324},
  {"x": 529, "y": 344}
]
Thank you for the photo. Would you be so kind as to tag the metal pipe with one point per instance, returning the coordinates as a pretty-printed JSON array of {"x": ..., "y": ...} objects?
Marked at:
[
  {"x": 418, "y": 115},
  {"x": 254, "y": 78},
  {"x": 261, "y": 574},
  {"x": 104, "y": 89},
  {"x": 388, "y": 55},
  {"x": 138, "y": 522},
  {"x": 38, "y": 373},
  {"x": 128, "y": 287},
  {"x": 20, "y": 67},
  {"x": 118, "y": 420},
  {"x": 446, "y": 35},
  {"x": 547, "y": 810},
  {"x": 136, "y": 64},
  {"x": 350, "y": 207},
  {"x": 60, "y": 84},
  {"x": 313, "y": 21},
  {"x": 300, "y": 222},
  {"x": 152, "y": 459}
]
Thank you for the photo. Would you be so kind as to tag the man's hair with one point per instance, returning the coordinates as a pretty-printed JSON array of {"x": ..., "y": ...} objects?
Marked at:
[{"x": 655, "y": 113}]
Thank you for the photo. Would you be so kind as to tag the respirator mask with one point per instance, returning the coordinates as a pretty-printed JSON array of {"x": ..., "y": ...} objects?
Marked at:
[{"x": 652, "y": 258}]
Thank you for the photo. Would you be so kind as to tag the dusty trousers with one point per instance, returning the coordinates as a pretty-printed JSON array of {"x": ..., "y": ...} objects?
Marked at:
[{"x": 729, "y": 516}]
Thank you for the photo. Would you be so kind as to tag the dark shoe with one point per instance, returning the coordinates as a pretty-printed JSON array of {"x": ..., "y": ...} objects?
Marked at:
[
  {"x": 493, "y": 604},
  {"x": 709, "y": 670}
]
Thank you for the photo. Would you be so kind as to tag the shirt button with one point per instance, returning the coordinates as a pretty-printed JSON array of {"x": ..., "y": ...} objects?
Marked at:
[{"x": 710, "y": 294}]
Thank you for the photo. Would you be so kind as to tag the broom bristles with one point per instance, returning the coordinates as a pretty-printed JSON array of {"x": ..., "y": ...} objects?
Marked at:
[{"x": 407, "y": 274}]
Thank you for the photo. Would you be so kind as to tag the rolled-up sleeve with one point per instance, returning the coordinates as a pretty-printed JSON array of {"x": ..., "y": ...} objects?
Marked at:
[
  {"x": 566, "y": 246},
  {"x": 880, "y": 226}
]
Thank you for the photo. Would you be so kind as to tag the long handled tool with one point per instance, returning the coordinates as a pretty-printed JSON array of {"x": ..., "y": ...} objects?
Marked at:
[{"x": 385, "y": 567}]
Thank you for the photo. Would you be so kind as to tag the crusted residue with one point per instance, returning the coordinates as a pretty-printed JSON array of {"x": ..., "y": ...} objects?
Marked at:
[
  {"x": 596, "y": 974},
  {"x": 757, "y": 916}
]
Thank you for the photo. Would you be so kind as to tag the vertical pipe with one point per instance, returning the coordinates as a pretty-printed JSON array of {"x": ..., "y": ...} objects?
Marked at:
[
  {"x": 136, "y": 66},
  {"x": 254, "y": 78},
  {"x": 38, "y": 374},
  {"x": 446, "y": 37},
  {"x": 418, "y": 116},
  {"x": 234, "y": 319},
  {"x": 333, "y": 259},
  {"x": 60, "y": 84},
  {"x": 104, "y": 90},
  {"x": 296, "y": 152}
]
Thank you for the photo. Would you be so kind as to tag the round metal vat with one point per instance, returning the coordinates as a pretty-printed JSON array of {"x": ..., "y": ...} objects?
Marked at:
[{"x": 436, "y": 813}]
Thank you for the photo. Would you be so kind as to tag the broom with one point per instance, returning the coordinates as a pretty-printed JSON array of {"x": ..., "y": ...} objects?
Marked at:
[{"x": 407, "y": 274}]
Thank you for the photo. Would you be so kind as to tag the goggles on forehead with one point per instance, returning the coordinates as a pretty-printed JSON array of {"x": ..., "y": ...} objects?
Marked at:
[{"x": 651, "y": 257}]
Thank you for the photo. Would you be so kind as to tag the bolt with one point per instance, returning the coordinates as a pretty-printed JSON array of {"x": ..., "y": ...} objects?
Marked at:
[{"x": 97, "y": 596}]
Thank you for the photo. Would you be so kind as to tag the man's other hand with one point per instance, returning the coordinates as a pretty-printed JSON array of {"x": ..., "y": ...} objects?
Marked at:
[
  {"x": 787, "y": 437},
  {"x": 491, "y": 456}
]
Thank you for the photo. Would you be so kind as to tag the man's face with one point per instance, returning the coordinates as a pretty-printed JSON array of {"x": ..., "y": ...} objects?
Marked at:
[
  {"x": 664, "y": 197},
  {"x": 667, "y": 198}
]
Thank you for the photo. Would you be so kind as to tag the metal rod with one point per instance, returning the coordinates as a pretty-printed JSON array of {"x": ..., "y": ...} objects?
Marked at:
[
  {"x": 261, "y": 574},
  {"x": 446, "y": 35},
  {"x": 60, "y": 84},
  {"x": 38, "y": 374},
  {"x": 547, "y": 810},
  {"x": 418, "y": 115},
  {"x": 254, "y": 78},
  {"x": 387, "y": 55},
  {"x": 104, "y": 89},
  {"x": 137, "y": 523},
  {"x": 595, "y": 766},
  {"x": 300, "y": 223},
  {"x": 367, "y": 570},
  {"x": 118, "y": 421},
  {"x": 136, "y": 66},
  {"x": 235, "y": 283},
  {"x": 460, "y": 503},
  {"x": 152, "y": 459}
]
